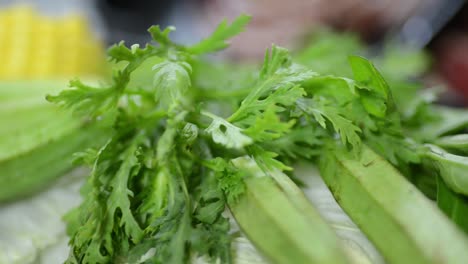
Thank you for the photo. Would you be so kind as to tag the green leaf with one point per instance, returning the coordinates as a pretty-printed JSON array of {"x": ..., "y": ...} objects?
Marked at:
[
  {"x": 268, "y": 126},
  {"x": 273, "y": 61},
  {"x": 119, "y": 52},
  {"x": 301, "y": 141},
  {"x": 338, "y": 89},
  {"x": 376, "y": 93},
  {"x": 217, "y": 40},
  {"x": 211, "y": 206},
  {"x": 230, "y": 179},
  {"x": 416, "y": 107},
  {"x": 101, "y": 215},
  {"x": 86, "y": 100},
  {"x": 368, "y": 76},
  {"x": 277, "y": 84},
  {"x": 171, "y": 81},
  {"x": 321, "y": 110},
  {"x": 266, "y": 160},
  {"x": 226, "y": 134},
  {"x": 161, "y": 37},
  {"x": 282, "y": 97}
]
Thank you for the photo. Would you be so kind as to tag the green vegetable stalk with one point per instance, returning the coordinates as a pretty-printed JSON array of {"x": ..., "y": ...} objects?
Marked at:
[
  {"x": 260, "y": 213},
  {"x": 37, "y": 138},
  {"x": 391, "y": 211}
]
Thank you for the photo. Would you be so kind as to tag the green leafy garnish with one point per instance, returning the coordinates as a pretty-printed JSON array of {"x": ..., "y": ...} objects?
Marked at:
[{"x": 182, "y": 149}]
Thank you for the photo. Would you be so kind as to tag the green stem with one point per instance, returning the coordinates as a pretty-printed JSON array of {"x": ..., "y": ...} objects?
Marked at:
[
  {"x": 281, "y": 231},
  {"x": 398, "y": 218},
  {"x": 281, "y": 223}
]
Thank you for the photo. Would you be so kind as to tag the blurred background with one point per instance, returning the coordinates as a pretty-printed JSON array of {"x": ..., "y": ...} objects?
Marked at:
[{"x": 77, "y": 31}]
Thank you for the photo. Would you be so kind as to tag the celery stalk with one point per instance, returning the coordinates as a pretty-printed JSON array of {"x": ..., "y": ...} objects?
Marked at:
[
  {"x": 283, "y": 224},
  {"x": 37, "y": 139},
  {"x": 31, "y": 171},
  {"x": 403, "y": 224}
]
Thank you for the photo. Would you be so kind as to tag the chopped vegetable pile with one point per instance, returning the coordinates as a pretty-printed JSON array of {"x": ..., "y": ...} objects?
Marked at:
[{"x": 191, "y": 139}]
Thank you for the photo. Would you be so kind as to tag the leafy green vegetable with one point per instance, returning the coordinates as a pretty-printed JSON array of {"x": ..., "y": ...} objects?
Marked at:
[
  {"x": 181, "y": 149},
  {"x": 227, "y": 134},
  {"x": 155, "y": 186},
  {"x": 320, "y": 109}
]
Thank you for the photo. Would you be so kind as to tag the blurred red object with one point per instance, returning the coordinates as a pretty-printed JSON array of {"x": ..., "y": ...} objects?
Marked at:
[{"x": 451, "y": 54}]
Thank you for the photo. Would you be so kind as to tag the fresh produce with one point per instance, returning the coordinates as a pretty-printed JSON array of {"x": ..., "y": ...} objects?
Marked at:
[
  {"x": 284, "y": 239},
  {"x": 421, "y": 122},
  {"x": 191, "y": 138},
  {"x": 38, "y": 139},
  {"x": 390, "y": 210},
  {"x": 166, "y": 183}
]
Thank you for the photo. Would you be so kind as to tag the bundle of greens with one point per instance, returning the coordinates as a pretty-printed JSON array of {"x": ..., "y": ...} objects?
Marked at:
[{"x": 191, "y": 138}]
